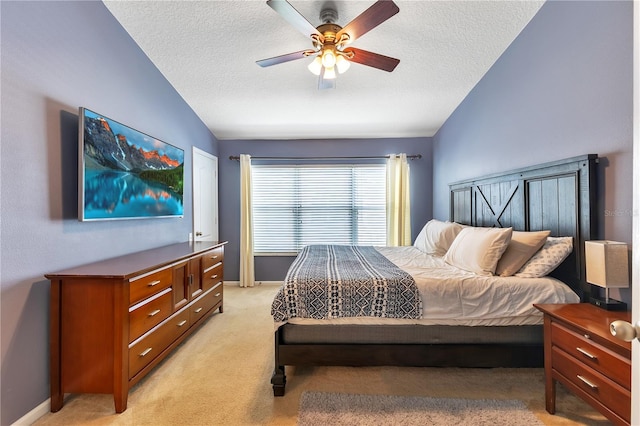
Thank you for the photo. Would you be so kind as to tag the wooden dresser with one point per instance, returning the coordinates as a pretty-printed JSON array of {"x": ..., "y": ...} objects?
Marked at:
[
  {"x": 113, "y": 321},
  {"x": 581, "y": 353}
]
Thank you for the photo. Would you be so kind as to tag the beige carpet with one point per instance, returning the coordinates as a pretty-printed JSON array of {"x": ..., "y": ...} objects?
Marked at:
[{"x": 220, "y": 376}]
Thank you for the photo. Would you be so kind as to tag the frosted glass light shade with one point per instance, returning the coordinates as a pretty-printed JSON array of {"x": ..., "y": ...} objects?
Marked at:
[
  {"x": 329, "y": 73},
  {"x": 316, "y": 66},
  {"x": 342, "y": 64},
  {"x": 607, "y": 263},
  {"x": 328, "y": 59}
]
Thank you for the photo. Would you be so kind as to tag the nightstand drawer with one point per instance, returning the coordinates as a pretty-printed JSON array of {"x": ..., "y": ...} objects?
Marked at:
[
  {"x": 592, "y": 354},
  {"x": 593, "y": 384}
]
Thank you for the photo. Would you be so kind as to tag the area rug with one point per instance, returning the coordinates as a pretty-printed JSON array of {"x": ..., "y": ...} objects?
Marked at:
[{"x": 324, "y": 409}]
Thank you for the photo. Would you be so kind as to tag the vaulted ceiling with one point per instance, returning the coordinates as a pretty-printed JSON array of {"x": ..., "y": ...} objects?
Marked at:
[{"x": 208, "y": 51}]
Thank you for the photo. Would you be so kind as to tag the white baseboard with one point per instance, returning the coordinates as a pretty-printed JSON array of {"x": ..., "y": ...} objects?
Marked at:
[
  {"x": 237, "y": 283},
  {"x": 32, "y": 416}
]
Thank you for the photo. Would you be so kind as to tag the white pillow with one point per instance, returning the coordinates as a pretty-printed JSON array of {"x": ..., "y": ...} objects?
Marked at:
[
  {"x": 478, "y": 249},
  {"x": 436, "y": 237},
  {"x": 522, "y": 247},
  {"x": 552, "y": 253}
]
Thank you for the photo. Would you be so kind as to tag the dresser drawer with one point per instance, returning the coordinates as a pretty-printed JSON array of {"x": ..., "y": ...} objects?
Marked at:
[
  {"x": 204, "y": 304},
  {"x": 212, "y": 257},
  {"x": 592, "y": 354},
  {"x": 147, "y": 285},
  {"x": 143, "y": 351},
  {"x": 211, "y": 276},
  {"x": 217, "y": 293},
  {"x": 593, "y": 384},
  {"x": 149, "y": 313}
]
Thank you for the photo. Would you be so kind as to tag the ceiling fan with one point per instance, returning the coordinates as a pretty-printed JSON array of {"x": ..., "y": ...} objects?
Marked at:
[{"x": 330, "y": 40}]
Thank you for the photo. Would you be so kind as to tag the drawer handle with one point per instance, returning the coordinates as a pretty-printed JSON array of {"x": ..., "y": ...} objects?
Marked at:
[
  {"x": 218, "y": 294},
  {"x": 154, "y": 313},
  {"x": 587, "y": 382},
  {"x": 154, "y": 283},
  {"x": 197, "y": 311},
  {"x": 145, "y": 352},
  {"x": 586, "y": 336},
  {"x": 213, "y": 277},
  {"x": 587, "y": 354},
  {"x": 214, "y": 257},
  {"x": 182, "y": 323}
]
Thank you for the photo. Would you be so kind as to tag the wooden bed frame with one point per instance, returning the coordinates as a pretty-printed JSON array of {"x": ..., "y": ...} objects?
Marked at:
[{"x": 558, "y": 196}]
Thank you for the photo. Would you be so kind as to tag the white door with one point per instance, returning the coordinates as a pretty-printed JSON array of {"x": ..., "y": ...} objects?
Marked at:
[
  {"x": 205, "y": 196},
  {"x": 635, "y": 302}
]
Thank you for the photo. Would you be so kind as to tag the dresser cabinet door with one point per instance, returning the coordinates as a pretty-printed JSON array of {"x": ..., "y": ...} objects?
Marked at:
[
  {"x": 180, "y": 285},
  {"x": 195, "y": 278}
]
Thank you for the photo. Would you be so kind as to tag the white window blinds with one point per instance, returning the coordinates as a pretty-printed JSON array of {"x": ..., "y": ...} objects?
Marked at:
[{"x": 294, "y": 206}]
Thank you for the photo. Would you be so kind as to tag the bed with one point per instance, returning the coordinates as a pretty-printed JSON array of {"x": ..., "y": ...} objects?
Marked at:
[{"x": 454, "y": 316}]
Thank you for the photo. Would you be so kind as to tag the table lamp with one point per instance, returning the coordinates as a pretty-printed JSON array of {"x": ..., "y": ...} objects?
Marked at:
[{"x": 607, "y": 267}]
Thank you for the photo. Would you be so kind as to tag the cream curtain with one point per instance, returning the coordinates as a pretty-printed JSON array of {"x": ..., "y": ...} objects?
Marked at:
[
  {"x": 398, "y": 201},
  {"x": 247, "y": 273}
]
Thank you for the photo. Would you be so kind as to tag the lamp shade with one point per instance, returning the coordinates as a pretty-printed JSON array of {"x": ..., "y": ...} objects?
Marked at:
[{"x": 607, "y": 263}]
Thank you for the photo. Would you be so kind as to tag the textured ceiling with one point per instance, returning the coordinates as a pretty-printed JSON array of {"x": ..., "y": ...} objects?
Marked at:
[{"x": 207, "y": 51}]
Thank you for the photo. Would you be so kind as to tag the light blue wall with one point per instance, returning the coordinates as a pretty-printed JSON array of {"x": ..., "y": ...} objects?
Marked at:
[
  {"x": 563, "y": 88},
  {"x": 57, "y": 56},
  {"x": 275, "y": 268}
]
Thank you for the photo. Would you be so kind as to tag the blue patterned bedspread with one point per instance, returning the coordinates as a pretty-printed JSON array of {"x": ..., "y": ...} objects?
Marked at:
[{"x": 332, "y": 281}]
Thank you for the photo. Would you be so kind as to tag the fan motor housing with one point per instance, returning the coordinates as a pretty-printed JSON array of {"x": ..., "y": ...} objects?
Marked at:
[{"x": 329, "y": 31}]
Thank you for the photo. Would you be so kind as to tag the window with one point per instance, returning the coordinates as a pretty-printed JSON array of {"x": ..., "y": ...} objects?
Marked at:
[{"x": 294, "y": 206}]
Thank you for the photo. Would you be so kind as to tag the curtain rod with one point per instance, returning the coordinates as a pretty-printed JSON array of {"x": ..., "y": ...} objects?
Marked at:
[{"x": 409, "y": 157}]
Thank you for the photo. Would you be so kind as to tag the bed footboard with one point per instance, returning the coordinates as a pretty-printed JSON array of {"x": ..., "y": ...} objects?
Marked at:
[{"x": 489, "y": 355}]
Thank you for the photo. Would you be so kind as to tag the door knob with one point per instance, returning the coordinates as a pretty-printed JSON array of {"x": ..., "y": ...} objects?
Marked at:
[
  {"x": 198, "y": 234},
  {"x": 624, "y": 330}
]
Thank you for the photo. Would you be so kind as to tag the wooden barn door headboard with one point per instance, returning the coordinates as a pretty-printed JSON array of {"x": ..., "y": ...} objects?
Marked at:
[{"x": 559, "y": 196}]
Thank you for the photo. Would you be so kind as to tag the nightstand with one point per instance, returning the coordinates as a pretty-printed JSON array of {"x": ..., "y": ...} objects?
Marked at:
[{"x": 581, "y": 353}]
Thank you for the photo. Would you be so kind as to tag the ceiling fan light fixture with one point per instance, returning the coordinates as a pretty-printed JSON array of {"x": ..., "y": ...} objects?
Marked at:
[
  {"x": 316, "y": 65},
  {"x": 330, "y": 40},
  {"x": 342, "y": 64}
]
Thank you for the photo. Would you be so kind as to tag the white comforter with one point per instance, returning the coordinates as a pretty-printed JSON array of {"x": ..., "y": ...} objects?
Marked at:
[{"x": 451, "y": 296}]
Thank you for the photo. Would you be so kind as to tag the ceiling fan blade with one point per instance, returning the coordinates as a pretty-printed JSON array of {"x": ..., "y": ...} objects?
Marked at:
[
  {"x": 292, "y": 16},
  {"x": 283, "y": 58},
  {"x": 371, "y": 59},
  {"x": 379, "y": 12},
  {"x": 325, "y": 83}
]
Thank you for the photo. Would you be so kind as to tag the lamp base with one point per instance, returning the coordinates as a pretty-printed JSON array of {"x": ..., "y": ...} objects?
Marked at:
[{"x": 609, "y": 305}]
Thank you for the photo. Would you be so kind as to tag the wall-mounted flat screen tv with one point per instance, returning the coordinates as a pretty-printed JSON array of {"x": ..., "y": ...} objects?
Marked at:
[{"x": 126, "y": 174}]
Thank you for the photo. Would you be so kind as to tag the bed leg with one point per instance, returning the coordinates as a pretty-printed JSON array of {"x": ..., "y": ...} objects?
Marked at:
[{"x": 278, "y": 380}]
